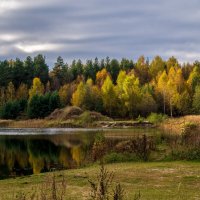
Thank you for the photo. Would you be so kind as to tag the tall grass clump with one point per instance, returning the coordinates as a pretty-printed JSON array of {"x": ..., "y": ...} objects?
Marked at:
[
  {"x": 51, "y": 189},
  {"x": 101, "y": 188}
]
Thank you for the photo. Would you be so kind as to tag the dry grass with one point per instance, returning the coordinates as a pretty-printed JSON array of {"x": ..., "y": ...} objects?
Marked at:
[
  {"x": 171, "y": 125},
  {"x": 174, "y": 125},
  {"x": 32, "y": 123},
  {"x": 5, "y": 123}
]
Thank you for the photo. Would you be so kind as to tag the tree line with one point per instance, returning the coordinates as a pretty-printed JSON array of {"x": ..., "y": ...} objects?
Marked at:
[{"x": 30, "y": 89}]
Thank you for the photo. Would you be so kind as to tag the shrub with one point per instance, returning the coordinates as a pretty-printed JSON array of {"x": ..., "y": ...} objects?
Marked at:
[
  {"x": 120, "y": 157},
  {"x": 156, "y": 118},
  {"x": 140, "y": 146},
  {"x": 186, "y": 154}
]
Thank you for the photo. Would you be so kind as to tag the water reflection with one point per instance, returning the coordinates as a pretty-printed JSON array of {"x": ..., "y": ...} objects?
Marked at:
[
  {"x": 28, "y": 151},
  {"x": 23, "y": 155}
]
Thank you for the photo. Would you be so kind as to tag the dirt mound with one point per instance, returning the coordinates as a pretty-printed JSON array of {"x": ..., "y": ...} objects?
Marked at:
[{"x": 69, "y": 112}]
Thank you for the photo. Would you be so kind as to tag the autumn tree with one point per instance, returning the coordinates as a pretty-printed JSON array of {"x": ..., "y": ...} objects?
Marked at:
[
  {"x": 141, "y": 70},
  {"x": 172, "y": 62},
  {"x": 101, "y": 77},
  {"x": 84, "y": 96},
  {"x": 97, "y": 100},
  {"x": 131, "y": 94},
  {"x": 172, "y": 89},
  {"x": 65, "y": 94},
  {"x": 157, "y": 66},
  {"x": 79, "y": 95},
  {"x": 37, "y": 88},
  {"x": 10, "y": 92},
  {"x": 22, "y": 91},
  {"x": 184, "y": 103},
  {"x": 194, "y": 80},
  {"x": 109, "y": 96},
  {"x": 147, "y": 104},
  {"x": 120, "y": 93},
  {"x": 162, "y": 82},
  {"x": 179, "y": 81}
]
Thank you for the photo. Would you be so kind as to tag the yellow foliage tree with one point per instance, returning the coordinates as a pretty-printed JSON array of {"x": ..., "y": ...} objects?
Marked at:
[
  {"x": 162, "y": 82},
  {"x": 79, "y": 95},
  {"x": 193, "y": 80},
  {"x": 109, "y": 96},
  {"x": 37, "y": 88},
  {"x": 131, "y": 93},
  {"x": 120, "y": 92}
]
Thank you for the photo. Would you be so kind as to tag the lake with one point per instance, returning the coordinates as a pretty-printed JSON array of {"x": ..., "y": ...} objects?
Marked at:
[{"x": 33, "y": 151}]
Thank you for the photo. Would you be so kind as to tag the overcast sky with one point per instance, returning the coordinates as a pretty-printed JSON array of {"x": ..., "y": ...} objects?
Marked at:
[{"x": 87, "y": 29}]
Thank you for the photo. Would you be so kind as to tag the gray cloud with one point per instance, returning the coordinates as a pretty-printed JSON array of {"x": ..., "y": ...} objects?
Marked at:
[{"x": 86, "y": 29}]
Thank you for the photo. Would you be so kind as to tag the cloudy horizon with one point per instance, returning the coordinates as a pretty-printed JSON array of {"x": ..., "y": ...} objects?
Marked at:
[{"x": 99, "y": 28}]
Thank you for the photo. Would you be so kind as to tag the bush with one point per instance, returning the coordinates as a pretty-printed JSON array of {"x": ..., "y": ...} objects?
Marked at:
[
  {"x": 187, "y": 154},
  {"x": 156, "y": 118},
  {"x": 120, "y": 157}
]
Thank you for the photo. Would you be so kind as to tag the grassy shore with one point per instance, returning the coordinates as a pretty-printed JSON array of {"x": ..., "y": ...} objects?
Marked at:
[
  {"x": 155, "y": 181},
  {"x": 176, "y": 125}
]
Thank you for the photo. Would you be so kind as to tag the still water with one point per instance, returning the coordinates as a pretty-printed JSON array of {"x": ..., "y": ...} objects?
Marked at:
[{"x": 32, "y": 151}]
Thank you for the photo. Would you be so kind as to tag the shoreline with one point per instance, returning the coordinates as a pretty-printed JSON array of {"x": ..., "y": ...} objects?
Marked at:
[
  {"x": 43, "y": 123},
  {"x": 171, "y": 125}
]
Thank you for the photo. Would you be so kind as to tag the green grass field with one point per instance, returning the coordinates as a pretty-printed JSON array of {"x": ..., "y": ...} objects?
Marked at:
[{"x": 158, "y": 180}]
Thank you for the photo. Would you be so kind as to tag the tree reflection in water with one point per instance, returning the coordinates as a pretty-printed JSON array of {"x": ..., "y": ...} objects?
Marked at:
[{"x": 23, "y": 155}]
